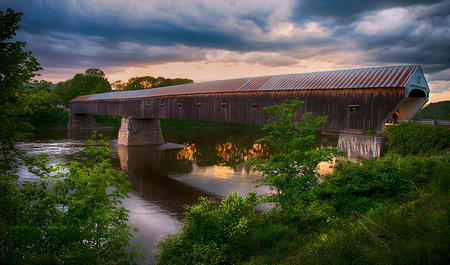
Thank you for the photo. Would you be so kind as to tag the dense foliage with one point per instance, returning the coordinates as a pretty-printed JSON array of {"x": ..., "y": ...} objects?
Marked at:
[
  {"x": 435, "y": 111},
  {"x": 388, "y": 211},
  {"x": 69, "y": 214},
  {"x": 213, "y": 234},
  {"x": 362, "y": 186},
  {"x": 91, "y": 82},
  {"x": 415, "y": 138},
  {"x": 291, "y": 171},
  {"x": 16, "y": 67},
  {"x": 42, "y": 106},
  {"x": 144, "y": 82}
]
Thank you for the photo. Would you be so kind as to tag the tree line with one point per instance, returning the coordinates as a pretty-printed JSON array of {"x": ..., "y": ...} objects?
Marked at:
[
  {"x": 47, "y": 103},
  {"x": 435, "y": 111}
]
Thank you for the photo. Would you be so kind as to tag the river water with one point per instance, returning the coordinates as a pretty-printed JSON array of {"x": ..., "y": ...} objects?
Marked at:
[{"x": 195, "y": 162}]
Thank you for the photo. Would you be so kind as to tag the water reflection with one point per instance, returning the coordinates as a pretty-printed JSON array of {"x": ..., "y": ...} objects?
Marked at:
[
  {"x": 148, "y": 181},
  {"x": 84, "y": 134},
  {"x": 165, "y": 178}
]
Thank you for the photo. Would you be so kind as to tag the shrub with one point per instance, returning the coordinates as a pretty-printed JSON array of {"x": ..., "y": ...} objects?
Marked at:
[
  {"x": 213, "y": 234},
  {"x": 361, "y": 186},
  {"x": 70, "y": 215},
  {"x": 415, "y": 138}
]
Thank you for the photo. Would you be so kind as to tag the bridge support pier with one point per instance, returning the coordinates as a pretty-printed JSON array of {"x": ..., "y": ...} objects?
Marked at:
[
  {"x": 82, "y": 122},
  {"x": 81, "y": 126},
  {"x": 357, "y": 145},
  {"x": 140, "y": 132}
]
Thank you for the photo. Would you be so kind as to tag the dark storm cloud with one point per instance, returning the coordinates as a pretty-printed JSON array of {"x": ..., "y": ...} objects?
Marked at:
[
  {"x": 346, "y": 11},
  {"x": 46, "y": 20},
  {"x": 74, "y": 33},
  {"x": 423, "y": 39}
]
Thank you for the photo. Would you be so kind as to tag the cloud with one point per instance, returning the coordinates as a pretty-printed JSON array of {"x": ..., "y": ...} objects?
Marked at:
[
  {"x": 286, "y": 33},
  {"x": 439, "y": 86},
  {"x": 346, "y": 11},
  {"x": 405, "y": 36}
]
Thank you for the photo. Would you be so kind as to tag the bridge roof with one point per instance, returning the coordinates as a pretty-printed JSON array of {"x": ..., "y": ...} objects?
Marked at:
[{"x": 379, "y": 77}]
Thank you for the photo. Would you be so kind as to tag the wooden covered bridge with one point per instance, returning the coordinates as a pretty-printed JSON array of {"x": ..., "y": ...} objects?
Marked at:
[{"x": 355, "y": 101}]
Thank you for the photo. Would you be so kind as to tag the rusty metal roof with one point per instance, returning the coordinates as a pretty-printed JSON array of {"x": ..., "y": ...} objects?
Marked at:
[{"x": 380, "y": 77}]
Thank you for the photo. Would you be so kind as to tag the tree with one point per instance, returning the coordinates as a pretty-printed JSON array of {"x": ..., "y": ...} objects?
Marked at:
[
  {"x": 70, "y": 214},
  {"x": 145, "y": 82},
  {"x": 118, "y": 85},
  {"x": 94, "y": 72},
  {"x": 42, "y": 105},
  {"x": 291, "y": 171},
  {"x": 92, "y": 82},
  {"x": 435, "y": 111},
  {"x": 16, "y": 67}
]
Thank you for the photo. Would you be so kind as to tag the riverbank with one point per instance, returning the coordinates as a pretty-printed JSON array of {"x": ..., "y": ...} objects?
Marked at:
[{"x": 388, "y": 211}]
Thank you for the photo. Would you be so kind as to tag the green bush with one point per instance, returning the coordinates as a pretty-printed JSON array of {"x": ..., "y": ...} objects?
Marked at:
[
  {"x": 69, "y": 215},
  {"x": 213, "y": 234},
  {"x": 415, "y": 138},
  {"x": 361, "y": 186}
]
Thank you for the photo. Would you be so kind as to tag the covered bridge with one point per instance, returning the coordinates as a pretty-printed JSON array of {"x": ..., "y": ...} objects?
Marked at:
[{"x": 355, "y": 101}]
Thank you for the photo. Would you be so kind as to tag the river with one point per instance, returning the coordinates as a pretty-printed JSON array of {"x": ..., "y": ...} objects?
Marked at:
[{"x": 196, "y": 162}]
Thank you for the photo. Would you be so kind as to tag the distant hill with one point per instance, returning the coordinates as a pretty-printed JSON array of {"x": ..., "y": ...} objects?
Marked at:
[{"x": 435, "y": 111}]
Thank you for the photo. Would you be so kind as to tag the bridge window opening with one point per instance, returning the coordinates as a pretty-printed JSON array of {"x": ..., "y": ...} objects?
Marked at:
[
  {"x": 254, "y": 106},
  {"x": 353, "y": 108},
  {"x": 179, "y": 105},
  {"x": 162, "y": 105},
  {"x": 199, "y": 104},
  {"x": 224, "y": 104}
]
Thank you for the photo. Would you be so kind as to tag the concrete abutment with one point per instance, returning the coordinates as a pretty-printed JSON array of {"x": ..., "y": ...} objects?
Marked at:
[
  {"x": 82, "y": 122},
  {"x": 140, "y": 132},
  {"x": 357, "y": 145}
]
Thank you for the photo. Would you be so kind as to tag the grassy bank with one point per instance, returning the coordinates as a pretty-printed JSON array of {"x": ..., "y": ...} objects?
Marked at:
[{"x": 394, "y": 210}]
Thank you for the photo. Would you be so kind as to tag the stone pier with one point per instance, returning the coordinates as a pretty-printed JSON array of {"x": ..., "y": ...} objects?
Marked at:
[
  {"x": 356, "y": 145},
  {"x": 82, "y": 122},
  {"x": 81, "y": 126},
  {"x": 140, "y": 132}
]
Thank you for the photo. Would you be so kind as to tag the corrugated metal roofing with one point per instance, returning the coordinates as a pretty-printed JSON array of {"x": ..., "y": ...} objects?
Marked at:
[{"x": 380, "y": 77}]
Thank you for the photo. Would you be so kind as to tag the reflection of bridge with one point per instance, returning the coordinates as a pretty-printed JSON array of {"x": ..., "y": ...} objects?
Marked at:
[
  {"x": 149, "y": 168},
  {"x": 355, "y": 101}
]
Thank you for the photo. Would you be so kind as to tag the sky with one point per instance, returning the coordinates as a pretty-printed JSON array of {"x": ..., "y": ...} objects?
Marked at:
[{"x": 221, "y": 39}]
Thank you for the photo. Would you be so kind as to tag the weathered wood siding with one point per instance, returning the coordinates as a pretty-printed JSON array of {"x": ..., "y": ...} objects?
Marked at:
[{"x": 374, "y": 105}]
